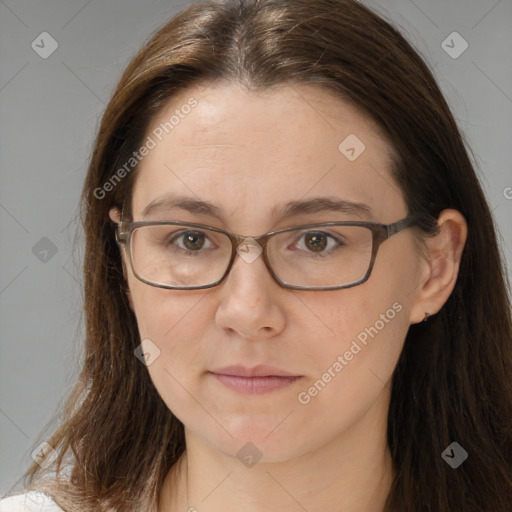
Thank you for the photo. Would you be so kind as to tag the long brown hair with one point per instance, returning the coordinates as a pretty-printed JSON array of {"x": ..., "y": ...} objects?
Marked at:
[{"x": 453, "y": 382}]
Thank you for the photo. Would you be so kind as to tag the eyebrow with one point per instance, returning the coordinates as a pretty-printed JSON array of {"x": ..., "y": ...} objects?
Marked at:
[{"x": 290, "y": 209}]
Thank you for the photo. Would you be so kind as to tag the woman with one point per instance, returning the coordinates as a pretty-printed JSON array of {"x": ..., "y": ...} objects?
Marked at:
[{"x": 358, "y": 355}]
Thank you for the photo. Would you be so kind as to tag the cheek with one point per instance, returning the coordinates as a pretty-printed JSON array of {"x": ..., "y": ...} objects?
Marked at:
[
  {"x": 353, "y": 369},
  {"x": 366, "y": 327},
  {"x": 366, "y": 336},
  {"x": 161, "y": 313},
  {"x": 171, "y": 325}
]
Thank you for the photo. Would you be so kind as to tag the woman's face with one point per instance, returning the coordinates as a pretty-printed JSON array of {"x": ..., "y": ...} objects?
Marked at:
[{"x": 249, "y": 155}]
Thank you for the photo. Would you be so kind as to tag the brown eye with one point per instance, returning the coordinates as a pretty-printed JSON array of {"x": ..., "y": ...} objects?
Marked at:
[
  {"x": 190, "y": 241},
  {"x": 193, "y": 240},
  {"x": 316, "y": 242}
]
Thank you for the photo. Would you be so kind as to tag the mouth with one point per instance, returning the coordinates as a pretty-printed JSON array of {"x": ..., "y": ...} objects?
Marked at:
[{"x": 254, "y": 381}]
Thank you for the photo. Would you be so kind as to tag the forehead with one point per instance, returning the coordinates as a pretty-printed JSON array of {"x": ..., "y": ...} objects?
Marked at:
[{"x": 247, "y": 152}]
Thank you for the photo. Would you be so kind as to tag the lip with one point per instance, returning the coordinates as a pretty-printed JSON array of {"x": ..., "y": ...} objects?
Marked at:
[
  {"x": 256, "y": 371},
  {"x": 254, "y": 381}
]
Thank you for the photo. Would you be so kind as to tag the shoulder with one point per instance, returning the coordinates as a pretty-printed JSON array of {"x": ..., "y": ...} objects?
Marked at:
[{"x": 31, "y": 501}]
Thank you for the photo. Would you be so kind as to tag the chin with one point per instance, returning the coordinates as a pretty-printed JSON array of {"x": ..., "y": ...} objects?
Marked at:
[{"x": 268, "y": 439}]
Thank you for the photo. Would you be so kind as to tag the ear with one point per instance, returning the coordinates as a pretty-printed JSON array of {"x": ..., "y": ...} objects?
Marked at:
[
  {"x": 115, "y": 215},
  {"x": 441, "y": 266}
]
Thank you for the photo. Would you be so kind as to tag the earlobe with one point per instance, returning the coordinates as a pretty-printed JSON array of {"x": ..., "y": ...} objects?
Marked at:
[{"x": 444, "y": 253}]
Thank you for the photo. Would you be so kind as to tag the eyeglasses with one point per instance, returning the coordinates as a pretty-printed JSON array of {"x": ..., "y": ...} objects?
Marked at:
[{"x": 187, "y": 256}]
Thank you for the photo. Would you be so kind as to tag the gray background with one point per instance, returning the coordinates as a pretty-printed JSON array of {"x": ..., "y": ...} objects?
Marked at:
[{"x": 49, "y": 111}]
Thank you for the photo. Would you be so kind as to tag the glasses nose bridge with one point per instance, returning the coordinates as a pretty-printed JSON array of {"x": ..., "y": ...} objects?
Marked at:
[{"x": 238, "y": 240}]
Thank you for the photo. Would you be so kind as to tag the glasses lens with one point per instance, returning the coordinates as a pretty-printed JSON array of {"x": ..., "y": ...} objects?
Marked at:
[
  {"x": 187, "y": 256},
  {"x": 179, "y": 256},
  {"x": 322, "y": 256}
]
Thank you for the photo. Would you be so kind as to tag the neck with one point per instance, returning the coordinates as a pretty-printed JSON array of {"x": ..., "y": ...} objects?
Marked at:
[{"x": 352, "y": 473}]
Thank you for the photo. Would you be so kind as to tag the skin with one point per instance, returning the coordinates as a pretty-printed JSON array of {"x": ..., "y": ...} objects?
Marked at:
[{"x": 246, "y": 152}]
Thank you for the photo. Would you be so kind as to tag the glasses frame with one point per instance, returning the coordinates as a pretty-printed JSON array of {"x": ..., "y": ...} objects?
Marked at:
[{"x": 380, "y": 233}]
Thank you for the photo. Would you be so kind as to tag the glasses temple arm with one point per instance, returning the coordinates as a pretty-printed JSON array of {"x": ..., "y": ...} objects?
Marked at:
[{"x": 400, "y": 225}]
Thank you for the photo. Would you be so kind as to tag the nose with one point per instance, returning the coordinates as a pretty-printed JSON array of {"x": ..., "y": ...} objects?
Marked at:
[{"x": 250, "y": 299}]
